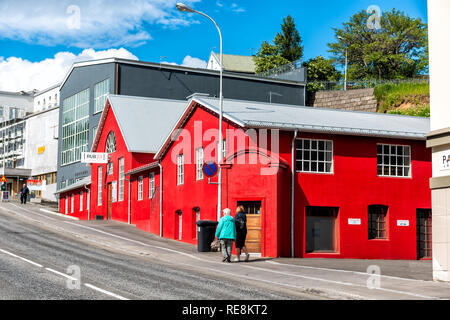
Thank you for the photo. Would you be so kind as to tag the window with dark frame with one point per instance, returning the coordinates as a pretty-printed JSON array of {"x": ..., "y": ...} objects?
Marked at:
[
  {"x": 314, "y": 156},
  {"x": 377, "y": 227},
  {"x": 423, "y": 230}
]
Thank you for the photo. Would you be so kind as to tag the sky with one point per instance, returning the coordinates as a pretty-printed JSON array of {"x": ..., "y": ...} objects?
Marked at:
[{"x": 41, "y": 39}]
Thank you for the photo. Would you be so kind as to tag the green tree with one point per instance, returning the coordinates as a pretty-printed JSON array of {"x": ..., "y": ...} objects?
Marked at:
[
  {"x": 397, "y": 51},
  {"x": 320, "y": 69},
  {"x": 286, "y": 48}
]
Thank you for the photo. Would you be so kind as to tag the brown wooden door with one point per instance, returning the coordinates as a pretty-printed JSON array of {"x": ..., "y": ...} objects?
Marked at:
[
  {"x": 253, "y": 213},
  {"x": 423, "y": 230},
  {"x": 109, "y": 201}
]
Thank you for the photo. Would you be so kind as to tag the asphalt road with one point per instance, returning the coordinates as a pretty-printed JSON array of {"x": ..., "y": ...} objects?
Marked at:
[{"x": 38, "y": 263}]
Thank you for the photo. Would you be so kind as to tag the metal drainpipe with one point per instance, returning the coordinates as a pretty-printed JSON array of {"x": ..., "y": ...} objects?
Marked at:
[
  {"x": 160, "y": 199},
  {"x": 293, "y": 194},
  {"x": 88, "y": 200},
  {"x": 129, "y": 199}
]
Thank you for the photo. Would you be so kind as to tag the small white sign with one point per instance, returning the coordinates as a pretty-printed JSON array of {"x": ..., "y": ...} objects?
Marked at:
[
  {"x": 444, "y": 160},
  {"x": 355, "y": 222},
  {"x": 403, "y": 223},
  {"x": 94, "y": 157}
]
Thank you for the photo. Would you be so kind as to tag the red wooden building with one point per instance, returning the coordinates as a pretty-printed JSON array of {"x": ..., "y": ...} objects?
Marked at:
[{"x": 314, "y": 182}]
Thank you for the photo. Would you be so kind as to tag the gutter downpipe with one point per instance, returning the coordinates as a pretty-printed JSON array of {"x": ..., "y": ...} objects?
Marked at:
[
  {"x": 160, "y": 199},
  {"x": 88, "y": 201},
  {"x": 293, "y": 194}
]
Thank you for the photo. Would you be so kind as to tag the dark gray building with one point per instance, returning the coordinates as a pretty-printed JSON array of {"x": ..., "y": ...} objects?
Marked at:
[{"x": 85, "y": 87}]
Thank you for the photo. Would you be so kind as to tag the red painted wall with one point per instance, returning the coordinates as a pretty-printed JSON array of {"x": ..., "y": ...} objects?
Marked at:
[{"x": 81, "y": 214}]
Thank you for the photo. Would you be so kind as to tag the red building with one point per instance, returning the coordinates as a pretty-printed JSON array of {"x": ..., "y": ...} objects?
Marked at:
[{"x": 314, "y": 182}]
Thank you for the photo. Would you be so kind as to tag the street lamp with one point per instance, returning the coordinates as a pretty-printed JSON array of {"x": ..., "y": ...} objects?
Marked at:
[
  {"x": 346, "y": 63},
  {"x": 184, "y": 8}
]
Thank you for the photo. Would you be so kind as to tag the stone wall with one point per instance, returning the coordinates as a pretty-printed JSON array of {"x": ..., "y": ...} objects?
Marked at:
[{"x": 355, "y": 100}]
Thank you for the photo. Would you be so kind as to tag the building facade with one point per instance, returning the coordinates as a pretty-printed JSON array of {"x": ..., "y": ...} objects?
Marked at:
[
  {"x": 84, "y": 90},
  {"x": 315, "y": 183}
]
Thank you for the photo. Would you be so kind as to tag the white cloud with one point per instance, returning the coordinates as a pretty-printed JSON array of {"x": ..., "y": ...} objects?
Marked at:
[
  {"x": 18, "y": 74},
  {"x": 191, "y": 62},
  {"x": 88, "y": 23}
]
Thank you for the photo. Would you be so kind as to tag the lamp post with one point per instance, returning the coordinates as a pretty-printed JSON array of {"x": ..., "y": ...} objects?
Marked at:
[
  {"x": 346, "y": 63},
  {"x": 184, "y": 8}
]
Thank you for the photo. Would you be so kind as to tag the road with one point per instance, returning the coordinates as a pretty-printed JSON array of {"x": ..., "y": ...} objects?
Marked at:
[
  {"x": 40, "y": 250},
  {"x": 34, "y": 264}
]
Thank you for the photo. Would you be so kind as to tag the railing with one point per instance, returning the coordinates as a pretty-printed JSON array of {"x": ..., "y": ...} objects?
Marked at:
[{"x": 359, "y": 84}]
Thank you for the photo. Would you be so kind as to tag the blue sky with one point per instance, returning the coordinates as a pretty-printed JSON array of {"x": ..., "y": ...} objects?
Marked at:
[{"x": 32, "y": 32}]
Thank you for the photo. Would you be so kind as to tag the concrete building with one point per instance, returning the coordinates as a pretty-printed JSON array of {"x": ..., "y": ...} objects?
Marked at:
[
  {"x": 86, "y": 85},
  {"x": 14, "y": 107},
  {"x": 316, "y": 183},
  {"x": 439, "y": 137}
]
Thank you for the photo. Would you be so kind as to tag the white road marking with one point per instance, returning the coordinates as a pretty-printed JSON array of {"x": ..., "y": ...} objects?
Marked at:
[
  {"x": 59, "y": 214},
  {"x": 21, "y": 258},
  {"x": 105, "y": 292}
]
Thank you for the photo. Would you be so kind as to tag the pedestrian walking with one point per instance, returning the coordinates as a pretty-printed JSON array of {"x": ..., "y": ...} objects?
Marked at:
[
  {"x": 226, "y": 233},
  {"x": 241, "y": 233},
  {"x": 24, "y": 194}
]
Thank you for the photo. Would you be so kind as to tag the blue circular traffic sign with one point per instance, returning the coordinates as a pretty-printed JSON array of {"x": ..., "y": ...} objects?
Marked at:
[{"x": 210, "y": 169}]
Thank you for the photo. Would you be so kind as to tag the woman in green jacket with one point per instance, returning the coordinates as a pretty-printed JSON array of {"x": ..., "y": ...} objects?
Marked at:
[{"x": 226, "y": 233}]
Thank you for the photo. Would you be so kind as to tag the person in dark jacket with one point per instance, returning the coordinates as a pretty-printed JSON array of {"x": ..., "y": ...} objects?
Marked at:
[
  {"x": 241, "y": 233},
  {"x": 24, "y": 194}
]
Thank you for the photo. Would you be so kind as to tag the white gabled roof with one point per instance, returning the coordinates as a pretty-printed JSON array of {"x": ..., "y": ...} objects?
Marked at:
[{"x": 143, "y": 122}]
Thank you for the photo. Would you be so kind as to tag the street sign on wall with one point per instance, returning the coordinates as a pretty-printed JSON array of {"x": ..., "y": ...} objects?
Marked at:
[
  {"x": 210, "y": 169},
  {"x": 94, "y": 157}
]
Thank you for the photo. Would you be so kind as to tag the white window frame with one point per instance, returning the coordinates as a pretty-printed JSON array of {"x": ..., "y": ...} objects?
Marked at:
[
  {"x": 66, "y": 205},
  {"x": 310, "y": 161},
  {"x": 114, "y": 191},
  {"x": 180, "y": 169},
  {"x": 81, "y": 200},
  {"x": 151, "y": 185},
  {"x": 199, "y": 163},
  {"x": 72, "y": 203},
  {"x": 101, "y": 91},
  {"x": 100, "y": 185},
  {"x": 406, "y": 157},
  {"x": 121, "y": 187},
  {"x": 140, "y": 188}
]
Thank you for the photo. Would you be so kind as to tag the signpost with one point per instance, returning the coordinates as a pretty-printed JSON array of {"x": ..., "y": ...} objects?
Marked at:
[
  {"x": 5, "y": 194},
  {"x": 94, "y": 157},
  {"x": 210, "y": 169}
]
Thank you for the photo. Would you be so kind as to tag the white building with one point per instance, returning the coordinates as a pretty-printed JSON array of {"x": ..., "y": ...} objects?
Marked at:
[
  {"x": 46, "y": 99},
  {"x": 439, "y": 137}
]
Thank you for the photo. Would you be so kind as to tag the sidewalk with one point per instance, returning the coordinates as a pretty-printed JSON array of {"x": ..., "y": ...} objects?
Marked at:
[{"x": 326, "y": 278}]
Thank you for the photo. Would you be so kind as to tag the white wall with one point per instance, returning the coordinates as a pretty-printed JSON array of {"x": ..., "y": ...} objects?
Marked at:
[{"x": 46, "y": 99}]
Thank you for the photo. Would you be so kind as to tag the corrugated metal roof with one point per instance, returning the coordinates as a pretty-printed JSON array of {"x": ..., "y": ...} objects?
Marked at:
[
  {"x": 145, "y": 122},
  {"x": 79, "y": 184},
  {"x": 142, "y": 168},
  {"x": 266, "y": 115}
]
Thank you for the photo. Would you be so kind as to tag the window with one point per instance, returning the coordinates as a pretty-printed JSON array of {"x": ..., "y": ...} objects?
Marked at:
[
  {"x": 314, "y": 156},
  {"x": 94, "y": 132},
  {"x": 224, "y": 148},
  {"x": 66, "y": 209},
  {"x": 100, "y": 186},
  {"x": 423, "y": 232},
  {"x": 199, "y": 163},
  {"x": 101, "y": 90},
  {"x": 180, "y": 169},
  {"x": 140, "y": 188},
  {"x": 114, "y": 191},
  {"x": 110, "y": 168},
  {"x": 72, "y": 203},
  {"x": 81, "y": 201},
  {"x": 75, "y": 127},
  {"x": 121, "y": 178},
  {"x": 377, "y": 222},
  {"x": 393, "y": 160},
  {"x": 110, "y": 143},
  {"x": 151, "y": 185}
]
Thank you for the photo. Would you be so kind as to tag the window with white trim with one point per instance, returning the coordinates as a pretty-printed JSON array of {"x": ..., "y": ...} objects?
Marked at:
[
  {"x": 81, "y": 201},
  {"x": 393, "y": 160},
  {"x": 110, "y": 146},
  {"x": 100, "y": 185},
  {"x": 315, "y": 156},
  {"x": 72, "y": 198},
  {"x": 180, "y": 169},
  {"x": 121, "y": 178},
  {"x": 140, "y": 188},
  {"x": 151, "y": 185},
  {"x": 114, "y": 191},
  {"x": 101, "y": 90},
  {"x": 199, "y": 163},
  {"x": 66, "y": 209}
]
